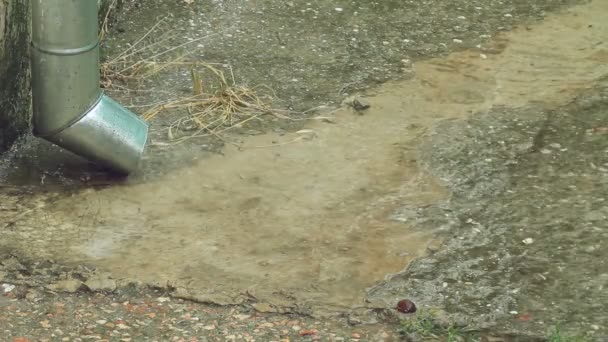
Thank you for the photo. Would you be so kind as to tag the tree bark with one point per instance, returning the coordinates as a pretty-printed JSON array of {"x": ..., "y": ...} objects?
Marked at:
[{"x": 14, "y": 70}]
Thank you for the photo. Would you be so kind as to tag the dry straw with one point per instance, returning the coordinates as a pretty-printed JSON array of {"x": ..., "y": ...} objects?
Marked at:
[{"x": 217, "y": 103}]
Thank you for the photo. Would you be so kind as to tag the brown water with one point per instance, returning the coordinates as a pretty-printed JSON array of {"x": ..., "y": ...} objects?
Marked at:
[{"x": 308, "y": 217}]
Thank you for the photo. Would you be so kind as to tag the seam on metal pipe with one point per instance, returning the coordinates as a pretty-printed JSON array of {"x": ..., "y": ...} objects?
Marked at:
[
  {"x": 66, "y": 52},
  {"x": 62, "y": 128}
]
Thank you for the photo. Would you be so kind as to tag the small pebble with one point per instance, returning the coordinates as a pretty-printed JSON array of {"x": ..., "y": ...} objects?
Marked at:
[{"x": 8, "y": 287}]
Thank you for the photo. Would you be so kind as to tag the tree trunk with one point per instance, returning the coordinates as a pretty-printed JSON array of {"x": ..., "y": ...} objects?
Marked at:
[{"x": 14, "y": 70}]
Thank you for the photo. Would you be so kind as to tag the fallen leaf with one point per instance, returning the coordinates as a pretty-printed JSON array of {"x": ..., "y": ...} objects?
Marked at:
[
  {"x": 45, "y": 324},
  {"x": 602, "y": 130},
  {"x": 308, "y": 332}
]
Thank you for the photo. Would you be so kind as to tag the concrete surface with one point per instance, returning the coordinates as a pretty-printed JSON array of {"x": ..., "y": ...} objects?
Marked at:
[{"x": 483, "y": 164}]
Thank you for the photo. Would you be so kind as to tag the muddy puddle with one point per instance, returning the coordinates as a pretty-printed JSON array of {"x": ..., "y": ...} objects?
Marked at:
[{"x": 309, "y": 219}]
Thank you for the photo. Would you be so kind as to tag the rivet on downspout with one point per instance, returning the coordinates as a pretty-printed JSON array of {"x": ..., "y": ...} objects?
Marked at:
[{"x": 70, "y": 109}]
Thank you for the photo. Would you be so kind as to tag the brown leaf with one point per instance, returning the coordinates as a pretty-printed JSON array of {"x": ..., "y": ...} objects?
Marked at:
[
  {"x": 600, "y": 130},
  {"x": 308, "y": 332}
]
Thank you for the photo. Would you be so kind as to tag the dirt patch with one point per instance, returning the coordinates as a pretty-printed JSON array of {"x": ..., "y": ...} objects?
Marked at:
[{"x": 31, "y": 311}]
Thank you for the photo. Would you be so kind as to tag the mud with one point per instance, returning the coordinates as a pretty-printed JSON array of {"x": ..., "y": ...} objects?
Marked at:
[{"x": 455, "y": 167}]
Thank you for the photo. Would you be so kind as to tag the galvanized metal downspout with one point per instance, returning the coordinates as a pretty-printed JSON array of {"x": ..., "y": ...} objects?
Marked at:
[{"x": 70, "y": 109}]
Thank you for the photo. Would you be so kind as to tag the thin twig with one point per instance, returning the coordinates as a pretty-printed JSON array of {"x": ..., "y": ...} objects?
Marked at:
[
  {"x": 104, "y": 25},
  {"x": 122, "y": 54}
]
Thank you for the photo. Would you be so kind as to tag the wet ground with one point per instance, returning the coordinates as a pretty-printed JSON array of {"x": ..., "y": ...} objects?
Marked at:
[
  {"x": 131, "y": 313},
  {"x": 485, "y": 166}
]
